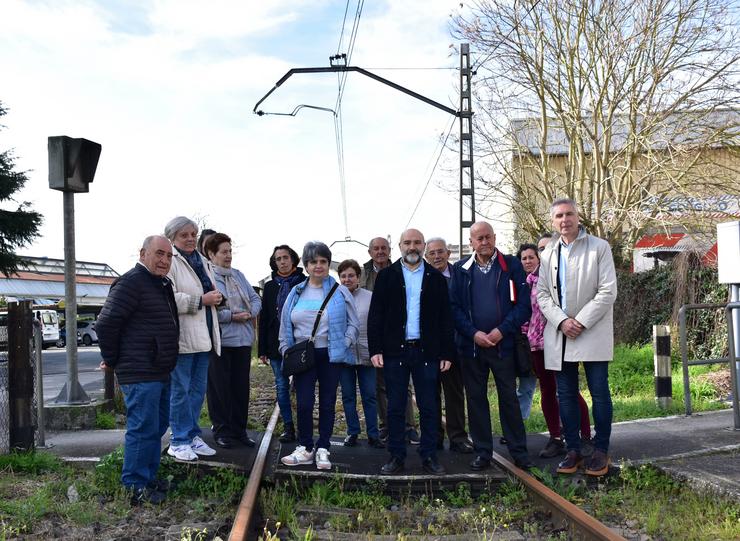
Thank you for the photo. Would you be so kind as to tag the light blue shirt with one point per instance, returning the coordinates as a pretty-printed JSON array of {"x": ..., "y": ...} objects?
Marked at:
[
  {"x": 562, "y": 272},
  {"x": 413, "y": 279}
]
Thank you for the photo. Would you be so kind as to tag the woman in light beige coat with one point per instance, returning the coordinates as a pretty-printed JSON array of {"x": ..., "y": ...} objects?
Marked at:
[{"x": 196, "y": 297}]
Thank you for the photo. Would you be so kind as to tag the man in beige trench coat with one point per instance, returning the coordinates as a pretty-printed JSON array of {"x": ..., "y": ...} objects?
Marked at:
[{"x": 576, "y": 292}]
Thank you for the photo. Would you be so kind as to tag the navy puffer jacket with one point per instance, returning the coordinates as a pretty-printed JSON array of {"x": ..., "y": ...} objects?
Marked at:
[{"x": 138, "y": 328}]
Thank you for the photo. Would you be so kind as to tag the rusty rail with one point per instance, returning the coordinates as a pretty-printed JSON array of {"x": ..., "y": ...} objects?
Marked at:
[{"x": 240, "y": 529}]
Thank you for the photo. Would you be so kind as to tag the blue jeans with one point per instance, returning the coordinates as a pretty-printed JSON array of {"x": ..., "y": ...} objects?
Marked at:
[
  {"x": 189, "y": 380},
  {"x": 366, "y": 377},
  {"x": 597, "y": 377},
  {"x": 147, "y": 415},
  {"x": 282, "y": 390},
  {"x": 425, "y": 374},
  {"x": 327, "y": 374},
  {"x": 525, "y": 394}
]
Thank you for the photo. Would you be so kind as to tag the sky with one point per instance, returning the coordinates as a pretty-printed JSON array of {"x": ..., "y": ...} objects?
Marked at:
[{"x": 167, "y": 88}]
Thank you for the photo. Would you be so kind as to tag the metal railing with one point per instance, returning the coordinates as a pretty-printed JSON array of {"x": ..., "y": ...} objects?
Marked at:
[{"x": 732, "y": 355}]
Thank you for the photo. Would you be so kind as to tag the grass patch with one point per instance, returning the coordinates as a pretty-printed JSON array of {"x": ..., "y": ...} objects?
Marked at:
[
  {"x": 29, "y": 462},
  {"x": 105, "y": 420}
]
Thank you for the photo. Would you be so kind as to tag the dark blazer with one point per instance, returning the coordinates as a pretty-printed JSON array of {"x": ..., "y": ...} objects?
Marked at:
[
  {"x": 514, "y": 313},
  {"x": 138, "y": 328},
  {"x": 386, "y": 323},
  {"x": 269, "y": 323}
]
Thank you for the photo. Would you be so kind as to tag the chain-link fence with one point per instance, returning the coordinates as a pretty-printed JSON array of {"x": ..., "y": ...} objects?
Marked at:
[
  {"x": 4, "y": 395},
  {"x": 24, "y": 388}
]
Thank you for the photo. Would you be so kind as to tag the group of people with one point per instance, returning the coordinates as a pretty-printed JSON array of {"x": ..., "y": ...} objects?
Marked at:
[{"x": 183, "y": 322}]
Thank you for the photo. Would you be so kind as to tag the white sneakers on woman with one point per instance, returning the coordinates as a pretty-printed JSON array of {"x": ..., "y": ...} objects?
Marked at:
[
  {"x": 322, "y": 459},
  {"x": 301, "y": 457},
  {"x": 201, "y": 448},
  {"x": 189, "y": 453},
  {"x": 298, "y": 457}
]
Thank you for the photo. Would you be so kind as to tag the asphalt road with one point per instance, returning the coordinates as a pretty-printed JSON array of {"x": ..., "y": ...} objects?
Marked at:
[{"x": 55, "y": 371}]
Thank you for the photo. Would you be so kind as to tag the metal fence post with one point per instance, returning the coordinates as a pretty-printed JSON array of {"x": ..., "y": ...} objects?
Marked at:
[
  {"x": 662, "y": 363},
  {"x": 733, "y": 356},
  {"x": 20, "y": 375},
  {"x": 684, "y": 358}
]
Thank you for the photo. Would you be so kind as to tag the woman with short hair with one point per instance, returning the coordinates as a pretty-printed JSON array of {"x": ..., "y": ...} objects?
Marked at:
[
  {"x": 363, "y": 372},
  {"x": 196, "y": 297},
  {"x": 333, "y": 348},
  {"x": 228, "y": 375}
]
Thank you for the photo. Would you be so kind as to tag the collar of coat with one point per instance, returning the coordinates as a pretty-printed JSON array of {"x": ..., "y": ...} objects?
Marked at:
[{"x": 498, "y": 255}]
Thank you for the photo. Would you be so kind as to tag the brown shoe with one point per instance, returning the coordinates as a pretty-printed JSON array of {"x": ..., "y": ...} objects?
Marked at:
[
  {"x": 571, "y": 463},
  {"x": 599, "y": 464}
]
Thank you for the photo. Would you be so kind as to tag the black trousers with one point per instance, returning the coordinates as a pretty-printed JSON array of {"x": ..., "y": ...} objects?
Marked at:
[
  {"x": 228, "y": 391},
  {"x": 475, "y": 377},
  {"x": 452, "y": 385}
]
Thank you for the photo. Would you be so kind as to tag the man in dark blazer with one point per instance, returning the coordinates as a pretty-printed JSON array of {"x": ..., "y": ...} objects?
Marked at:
[
  {"x": 138, "y": 332},
  {"x": 410, "y": 334}
]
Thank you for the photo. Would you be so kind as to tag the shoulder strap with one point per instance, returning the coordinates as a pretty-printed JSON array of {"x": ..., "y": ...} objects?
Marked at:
[{"x": 321, "y": 311}]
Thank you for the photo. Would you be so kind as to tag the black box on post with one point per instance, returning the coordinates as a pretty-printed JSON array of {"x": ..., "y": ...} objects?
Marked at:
[{"x": 72, "y": 163}]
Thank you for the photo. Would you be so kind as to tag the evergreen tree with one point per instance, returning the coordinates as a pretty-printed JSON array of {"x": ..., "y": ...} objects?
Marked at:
[{"x": 17, "y": 227}]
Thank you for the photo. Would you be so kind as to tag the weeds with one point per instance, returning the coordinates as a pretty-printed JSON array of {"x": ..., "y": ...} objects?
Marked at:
[
  {"x": 29, "y": 462},
  {"x": 105, "y": 420}
]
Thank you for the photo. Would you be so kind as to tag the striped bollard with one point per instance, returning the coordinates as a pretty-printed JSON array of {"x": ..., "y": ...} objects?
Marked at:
[{"x": 662, "y": 362}]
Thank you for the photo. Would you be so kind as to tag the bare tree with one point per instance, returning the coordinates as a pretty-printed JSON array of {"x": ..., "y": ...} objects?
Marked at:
[{"x": 623, "y": 105}]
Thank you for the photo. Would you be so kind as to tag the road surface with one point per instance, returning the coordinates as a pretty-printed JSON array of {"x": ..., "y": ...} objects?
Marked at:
[{"x": 55, "y": 371}]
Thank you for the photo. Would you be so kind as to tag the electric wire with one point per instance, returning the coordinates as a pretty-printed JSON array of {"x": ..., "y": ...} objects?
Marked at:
[{"x": 431, "y": 174}]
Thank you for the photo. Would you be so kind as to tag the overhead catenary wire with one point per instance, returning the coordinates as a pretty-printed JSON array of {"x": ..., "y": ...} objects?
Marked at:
[{"x": 431, "y": 174}]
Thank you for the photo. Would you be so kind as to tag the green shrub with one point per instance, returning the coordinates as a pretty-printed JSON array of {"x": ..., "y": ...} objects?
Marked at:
[{"x": 105, "y": 420}]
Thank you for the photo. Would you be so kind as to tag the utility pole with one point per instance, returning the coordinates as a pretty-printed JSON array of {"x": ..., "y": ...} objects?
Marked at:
[
  {"x": 467, "y": 180},
  {"x": 465, "y": 114}
]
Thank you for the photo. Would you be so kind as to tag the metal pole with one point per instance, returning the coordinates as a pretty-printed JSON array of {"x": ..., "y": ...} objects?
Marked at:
[
  {"x": 72, "y": 392},
  {"x": 467, "y": 188},
  {"x": 662, "y": 362},
  {"x": 684, "y": 358},
  {"x": 735, "y": 298},
  {"x": 733, "y": 355},
  {"x": 20, "y": 375},
  {"x": 38, "y": 338}
]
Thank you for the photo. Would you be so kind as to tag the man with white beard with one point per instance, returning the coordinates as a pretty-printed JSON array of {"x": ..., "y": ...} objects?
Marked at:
[{"x": 410, "y": 334}]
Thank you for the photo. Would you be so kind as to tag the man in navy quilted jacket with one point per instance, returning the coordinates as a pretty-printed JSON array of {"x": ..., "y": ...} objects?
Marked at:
[{"x": 138, "y": 332}]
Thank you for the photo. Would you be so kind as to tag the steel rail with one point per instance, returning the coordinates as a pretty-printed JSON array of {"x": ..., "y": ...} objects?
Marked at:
[
  {"x": 240, "y": 528},
  {"x": 580, "y": 524}
]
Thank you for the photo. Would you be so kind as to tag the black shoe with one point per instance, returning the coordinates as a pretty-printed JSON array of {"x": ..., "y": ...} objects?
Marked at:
[
  {"x": 160, "y": 485},
  {"x": 246, "y": 440},
  {"x": 524, "y": 464},
  {"x": 412, "y": 436},
  {"x": 392, "y": 467},
  {"x": 462, "y": 446},
  {"x": 288, "y": 436},
  {"x": 375, "y": 443},
  {"x": 224, "y": 443},
  {"x": 553, "y": 448},
  {"x": 383, "y": 435},
  {"x": 350, "y": 440},
  {"x": 480, "y": 463},
  {"x": 141, "y": 496},
  {"x": 430, "y": 465},
  {"x": 503, "y": 441}
]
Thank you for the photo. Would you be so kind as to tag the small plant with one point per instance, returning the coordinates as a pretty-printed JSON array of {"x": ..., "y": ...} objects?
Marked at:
[
  {"x": 460, "y": 497},
  {"x": 105, "y": 420},
  {"x": 32, "y": 462},
  {"x": 193, "y": 534},
  {"x": 107, "y": 477}
]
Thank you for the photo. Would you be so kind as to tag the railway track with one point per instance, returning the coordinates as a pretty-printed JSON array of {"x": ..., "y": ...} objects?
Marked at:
[{"x": 564, "y": 515}]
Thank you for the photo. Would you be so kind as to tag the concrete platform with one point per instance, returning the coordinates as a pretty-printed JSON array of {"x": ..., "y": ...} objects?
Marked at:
[{"x": 702, "y": 449}]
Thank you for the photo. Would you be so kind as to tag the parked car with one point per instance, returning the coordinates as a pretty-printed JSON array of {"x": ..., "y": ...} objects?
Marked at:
[
  {"x": 62, "y": 342},
  {"x": 87, "y": 331}
]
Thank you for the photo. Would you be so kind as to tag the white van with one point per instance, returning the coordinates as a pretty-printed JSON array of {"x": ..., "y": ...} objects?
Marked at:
[{"x": 49, "y": 326}]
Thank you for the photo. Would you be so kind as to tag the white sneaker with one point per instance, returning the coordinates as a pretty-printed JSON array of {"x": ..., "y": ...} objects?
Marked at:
[
  {"x": 182, "y": 452},
  {"x": 201, "y": 448},
  {"x": 322, "y": 459},
  {"x": 298, "y": 457}
]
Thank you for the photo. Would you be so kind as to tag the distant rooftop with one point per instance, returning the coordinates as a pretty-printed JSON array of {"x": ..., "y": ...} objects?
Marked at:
[{"x": 722, "y": 127}]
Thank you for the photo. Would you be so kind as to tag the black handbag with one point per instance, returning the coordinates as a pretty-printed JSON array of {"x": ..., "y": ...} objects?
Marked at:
[
  {"x": 300, "y": 357},
  {"x": 522, "y": 356}
]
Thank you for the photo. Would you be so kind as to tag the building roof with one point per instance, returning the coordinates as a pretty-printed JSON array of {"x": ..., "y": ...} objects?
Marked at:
[
  {"x": 42, "y": 279},
  {"x": 681, "y": 128}
]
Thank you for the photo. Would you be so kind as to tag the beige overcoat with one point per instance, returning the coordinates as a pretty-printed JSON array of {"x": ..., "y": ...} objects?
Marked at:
[
  {"x": 194, "y": 336},
  {"x": 591, "y": 289}
]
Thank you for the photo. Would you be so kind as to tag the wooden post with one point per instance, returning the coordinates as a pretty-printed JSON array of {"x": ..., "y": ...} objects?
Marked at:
[
  {"x": 20, "y": 375},
  {"x": 662, "y": 363}
]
